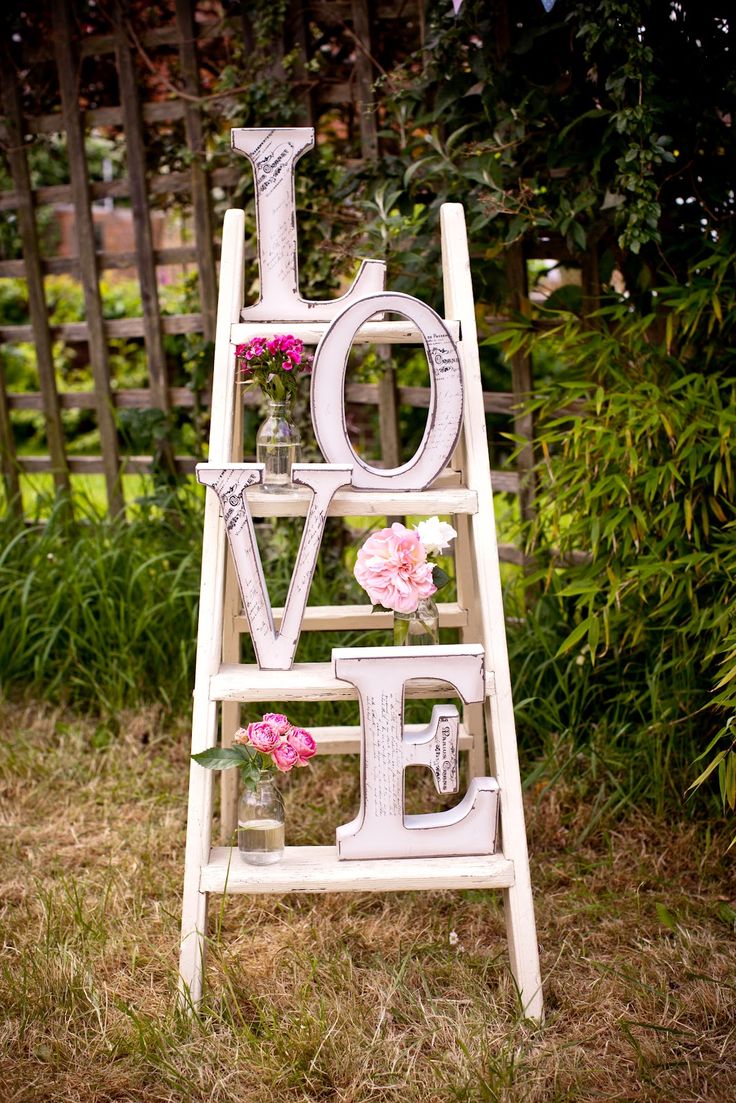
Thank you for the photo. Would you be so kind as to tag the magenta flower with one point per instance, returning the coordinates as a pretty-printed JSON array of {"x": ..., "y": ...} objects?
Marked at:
[
  {"x": 272, "y": 364},
  {"x": 392, "y": 568},
  {"x": 285, "y": 757},
  {"x": 263, "y": 736},
  {"x": 303, "y": 743},
  {"x": 278, "y": 722}
]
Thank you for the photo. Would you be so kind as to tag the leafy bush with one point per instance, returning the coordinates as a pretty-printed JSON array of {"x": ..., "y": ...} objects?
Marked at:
[
  {"x": 633, "y": 536},
  {"x": 571, "y": 124}
]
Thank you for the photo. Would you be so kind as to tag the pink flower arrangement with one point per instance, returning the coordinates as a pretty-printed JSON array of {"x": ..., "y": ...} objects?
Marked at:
[
  {"x": 303, "y": 743},
  {"x": 273, "y": 364},
  {"x": 266, "y": 745},
  {"x": 393, "y": 566}
]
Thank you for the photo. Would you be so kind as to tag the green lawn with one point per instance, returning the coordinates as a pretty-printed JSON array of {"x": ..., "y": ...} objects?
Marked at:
[{"x": 348, "y": 998}]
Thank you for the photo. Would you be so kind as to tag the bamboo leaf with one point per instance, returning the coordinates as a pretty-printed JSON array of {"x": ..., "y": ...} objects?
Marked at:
[{"x": 574, "y": 637}]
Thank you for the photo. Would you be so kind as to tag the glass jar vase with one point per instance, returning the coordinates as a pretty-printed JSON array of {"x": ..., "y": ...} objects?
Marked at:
[
  {"x": 418, "y": 628},
  {"x": 278, "y": 446},
  {"x": 261, "y": 824}
]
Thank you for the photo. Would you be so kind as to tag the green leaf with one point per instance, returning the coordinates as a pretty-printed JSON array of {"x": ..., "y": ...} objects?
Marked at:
[
  {"x": 666, "y": 918},
  {"x": 713, "y": 765},
  {"x": 575, "y": 636},
  {"x": 439, "y": 577},
  {"x": 578, "y": 235},
  {"x": 222, "y": 758},
  {"x": 594, "y": 635}
]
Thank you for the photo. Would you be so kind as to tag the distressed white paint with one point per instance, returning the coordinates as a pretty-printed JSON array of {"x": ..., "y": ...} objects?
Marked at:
[
  {"x": 346, "y": 738},
  {"x": 382, "y": 829},
  {"x": 331, "y": 618},
  {"x": 444, "y": 418},
  {"x": 274, "y": 648},
  {"x": 483, "y": 556},
  {"x": 304, "y": 682},
  {"x": 318, "y": 869},
  {"x": 372, "y": 333},
  {"x": 354, "y": 503},
  {"x": 210, "y": 623},
  {"x": 273, "y": 152}
]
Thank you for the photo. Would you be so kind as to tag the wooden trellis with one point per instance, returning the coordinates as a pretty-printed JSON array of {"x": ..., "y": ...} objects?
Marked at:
[{"x": 186, "y": 33}]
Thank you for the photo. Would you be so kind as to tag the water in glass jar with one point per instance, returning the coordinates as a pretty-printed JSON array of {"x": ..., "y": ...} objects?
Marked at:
[
  {"x": 261, "y": 842},
  {"x": 277, "y": 459}
]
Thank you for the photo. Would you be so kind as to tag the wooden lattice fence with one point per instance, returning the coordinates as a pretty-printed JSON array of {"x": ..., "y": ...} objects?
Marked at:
[{"x": 185, "y": 32}]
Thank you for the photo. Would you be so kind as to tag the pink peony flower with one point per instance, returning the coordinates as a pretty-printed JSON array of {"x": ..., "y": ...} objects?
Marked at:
[
  {"x": 303, "y": 743},
  {"x": 392, "y": 568},
  {"x": 240, "y": 739},
  {"x": 278, "y": 722},
  {"x": 263, "y": 736},
  {"x": 285, "y": 757}
]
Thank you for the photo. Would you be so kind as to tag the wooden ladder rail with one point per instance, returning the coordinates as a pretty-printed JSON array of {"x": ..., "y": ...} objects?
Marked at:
[{"x": 479, "y": 614}]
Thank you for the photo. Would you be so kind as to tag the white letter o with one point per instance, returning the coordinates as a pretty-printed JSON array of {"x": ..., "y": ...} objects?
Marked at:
[{"x": 445, "y": 404}]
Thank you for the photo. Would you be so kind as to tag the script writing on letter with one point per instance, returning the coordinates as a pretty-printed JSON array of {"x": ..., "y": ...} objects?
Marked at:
[
  {"x": 274, "y": 650},
  {"x": 382, "y": 829},
  {"x": 273, "y": 152},
  {"x": 445, "y": 404}
]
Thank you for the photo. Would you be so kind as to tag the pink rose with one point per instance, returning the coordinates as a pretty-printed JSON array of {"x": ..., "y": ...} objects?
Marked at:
[
  {"x": 284, "y": 756},
  {"x": 240, "y": 739},
  {"x": 262, "y": 736},
  {"x": 278, "y": 722},
  {"x": 392, "y": 568},
  {"x": 303, "y": 743}
]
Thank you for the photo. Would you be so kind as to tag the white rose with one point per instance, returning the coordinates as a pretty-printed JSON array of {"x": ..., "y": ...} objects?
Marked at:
[{"x": 435, "y": 535}]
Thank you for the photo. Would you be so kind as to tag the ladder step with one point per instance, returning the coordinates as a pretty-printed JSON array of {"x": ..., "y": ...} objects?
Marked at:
[
  {"x": 318, "y": 869},
  {"x": 345, "y": 739},
  {"x": 338, "y": 618},
  {"x": 385, "y": 333},
  {"x": 365, "y": 503},
  {"x": 304, "y": 682}
]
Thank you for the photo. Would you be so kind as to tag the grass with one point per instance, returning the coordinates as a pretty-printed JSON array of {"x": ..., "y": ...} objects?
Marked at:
[
  {"x": 346, "y": 998},
  {"x": 99, "y": 613},
  {"x": 37, "y": 493}
]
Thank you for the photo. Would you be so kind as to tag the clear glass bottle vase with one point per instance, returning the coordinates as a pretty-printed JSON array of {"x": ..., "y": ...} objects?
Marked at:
[
  {"x": 261, "y": 824},
  {"x": 418, "y": 628},
  {"x": 278, "y": 446}
]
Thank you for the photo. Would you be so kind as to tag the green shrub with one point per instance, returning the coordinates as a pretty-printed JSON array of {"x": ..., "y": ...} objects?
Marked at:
[{"x": 633, "y": 535}]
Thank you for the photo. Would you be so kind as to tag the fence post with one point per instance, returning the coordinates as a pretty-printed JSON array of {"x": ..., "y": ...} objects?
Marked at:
[
  {"x": 136, "y": 159},
  {"x": 18, "y": 161},
  {"x": 84, "y": 225},
  {"x": 364, "y": 79},
  {"x": 8, "y": 462},
  {"x": 203, "y": 235}
]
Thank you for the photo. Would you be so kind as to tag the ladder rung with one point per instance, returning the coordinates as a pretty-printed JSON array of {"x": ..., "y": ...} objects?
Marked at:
[
  {"x": 318, "y": 869},
  {"x": 385, "y": 333},
  {"x": 339, "y": 618},
  {"x": 365, "y": 503},
  {"x": 345, "y": 739},
  {"x": 304, "y": 682}
]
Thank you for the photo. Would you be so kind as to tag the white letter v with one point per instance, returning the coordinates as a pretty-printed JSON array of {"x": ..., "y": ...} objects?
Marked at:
[{"x": 274, "y": 650}]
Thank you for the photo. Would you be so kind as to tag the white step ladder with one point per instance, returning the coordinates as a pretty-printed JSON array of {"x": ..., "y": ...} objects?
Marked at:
[{"x": 465, "y": 494}]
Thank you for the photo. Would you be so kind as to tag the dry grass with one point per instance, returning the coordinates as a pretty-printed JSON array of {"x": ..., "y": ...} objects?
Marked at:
[{"x": 342, "y": 998}]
